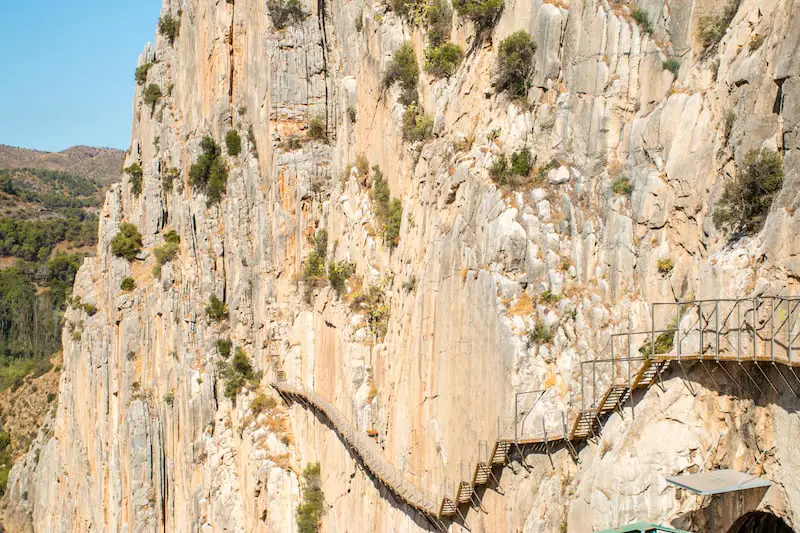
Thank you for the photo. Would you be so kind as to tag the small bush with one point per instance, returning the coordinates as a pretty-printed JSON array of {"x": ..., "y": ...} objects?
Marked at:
[
  {"x": 127, "y": 242},
  {"x": 643, "y": 20},
  {"x": 438, "y": 21},
  {"x": 156, "y": 271},
  {"x": 417, "y": 126},
  {"x": 90, "y": 309},
  {"x": 233, "y": 142},
  {"x": 314, "y": 268},
  {"x": 622, "y": 186},
  {"x": 262, "y": 403},
  {"x": 515, "y": 63},
  {"x": 338, "y": 274},
  {"x": 549, "y": 298},
  {"x": 224, "y": 347},
  {"x": 309, "y": 511},
  {"x": 51, "y": 397},
  {"x": 665, "y": 265},
  {"x": 166, "y": 252},
  {"x": 169, "y": 177},
  {"x": 730, "y": 118},
  {"x": 169, "y": 398},
  {"x": 512, "y": 171},
  {"x": 251, "y": 137},
  {"x": 169, "y": 27},
  {"x": 404, "y": 70},
  {"x": 128, "y": 284},
  {"x": 141, "y": 73},
  {"x": 756, "y": 42},
  {"x": 172, "y": 237},
  {"x": 442, "y": 61},
  {"x": 317, "y": 130},
  {"x": 238, "y": 372},
  {"x": 135, "y": 173},
  {"x": 151, "y": 95},
  {"x": 712, "y": 28},
  {"x": 285, "y": 12},
  {"x": 372, "y": 304},
  {"x": 746, "y": 200},
  {"x": 541, "y": 334},
  {"x": 362, "y": 165},
  {"x": 672, "y": 64},
  {"x": 359, "y": 21},
  {"x": 389, "y": 212},
  {"x": 209, "y": 173},
  {"x": 483, "y": 13},
  {"x": 216, "y": 310}
]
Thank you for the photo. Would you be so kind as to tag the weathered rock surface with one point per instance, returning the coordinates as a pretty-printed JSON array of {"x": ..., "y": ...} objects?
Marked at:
[{"x": 144, "y": 438}]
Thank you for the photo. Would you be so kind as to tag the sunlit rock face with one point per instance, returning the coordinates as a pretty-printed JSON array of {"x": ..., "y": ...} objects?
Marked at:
[{"x": 433, "y": 335}]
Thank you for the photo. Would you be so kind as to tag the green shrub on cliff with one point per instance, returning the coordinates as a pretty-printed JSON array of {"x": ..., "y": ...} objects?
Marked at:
[
  {"x": 169, "y": 27},
  {"x": 209, "y": 173},
  {"x": 483, "y": 13},
  {"x": 309, "y": 511},
  {"x": 127, "y": 243},
  {"x": 746, "y": 200},
  {"x": 404, "y": 70},
  {"x": 515, "y": 63}
]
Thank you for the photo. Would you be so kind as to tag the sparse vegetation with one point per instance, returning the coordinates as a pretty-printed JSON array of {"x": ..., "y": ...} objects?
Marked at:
[
  {"x": 151, "y": 95},
  {"x": 515, "y": 64},
  {"x": 284, "y": 13},
  {"x": 216, "y": 309},
  {"x": 672, "y": 64},
  {"x": 417, "y": 126},
  {"x": 7, "y": 461},
  {"x": 169, "y": 177},
  {"x": 548, "y": 297},
  {"x": 540, "y": 334},
  {"x": 127, "y": 243},
  {"x": 251, "y": 138},
  {"x": 746, "y": 200},
  {"x": 167, "y": 251},
  {"x": 262, "y": 403},
  {"x": 438, "y": 21},
  {"x": 135, "y": 174},
  {"x": 665, "y": 265},
  {"x": 403, "y": 70},
  {"x": 712, "y": 28},
  {"x": 442, "y": 61},
  {"x": 169, "y": 27},
  {"x": 224, "y": 347},
  {"x": 372, "y": 304},
  {"x": 309, "y": 511},
  {"x": 483, "y": 13},
  {"x": 209, "y": 173},
  {"x": 622, "y": 186},
  {"x": 317, "y": 130},
  {"x": 141, "y": 73},
  {"x": 169, "y": 398},
  {"x": 237, "y": 373},
  {"x": 359, "y": 21},
  {"x": 730, "y": 119},
  {"x": 128, "y": 284},
  {"x": 756, "y": 42},
  {"x": 643, "y": 20},
  {"x": 314, "y": 268},
  {"x": 338, "y": 274},
  {"x": 233, "y": 142},
  {"x": 388, "y": 211},
  {"x": 514, "y": 170}
]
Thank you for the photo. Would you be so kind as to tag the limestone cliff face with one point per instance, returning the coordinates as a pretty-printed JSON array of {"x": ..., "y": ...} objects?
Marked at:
[{"x": 144, "y": 439}]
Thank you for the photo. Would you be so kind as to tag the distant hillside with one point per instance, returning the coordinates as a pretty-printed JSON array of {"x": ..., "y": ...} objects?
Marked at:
[{"x": 103, "y": 165}]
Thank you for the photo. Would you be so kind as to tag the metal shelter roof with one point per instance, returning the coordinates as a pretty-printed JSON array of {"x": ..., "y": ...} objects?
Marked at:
[{"x": 718, "y": 482}]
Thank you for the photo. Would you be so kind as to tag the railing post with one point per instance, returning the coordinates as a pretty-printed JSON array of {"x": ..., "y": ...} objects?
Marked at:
[
  {"x": 789, "y": 330},
  {"x": 653, "y": 331},
  {"x": 613, "y": 374},
  {"x": 583, "y": 392},
  {"x": 594, "y": 386},
  {"x": 716, "y": 326},
  {"x": 755, "y": 335},
  {"x": 516, "y": 419},
  {"x": 739, "y": 331},
  {"x": 772, "y": 329},
  {"x": 678, "y": 328},
  {"x": 700, "y": 316}
]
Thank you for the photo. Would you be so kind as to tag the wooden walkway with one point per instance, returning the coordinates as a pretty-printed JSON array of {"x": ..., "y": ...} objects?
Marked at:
[{"x": 775, "y": 348}]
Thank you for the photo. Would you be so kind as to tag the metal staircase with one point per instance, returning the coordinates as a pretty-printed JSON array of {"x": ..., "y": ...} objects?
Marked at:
[{"x": 761, "y": 331}]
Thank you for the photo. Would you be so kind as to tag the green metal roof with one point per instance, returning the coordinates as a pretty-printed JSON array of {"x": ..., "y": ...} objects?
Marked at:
[{"x": 643, "y": 527}]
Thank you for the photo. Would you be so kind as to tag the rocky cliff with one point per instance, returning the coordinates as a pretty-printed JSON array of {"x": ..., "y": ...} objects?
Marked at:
[{"x": 429, "y": 339}]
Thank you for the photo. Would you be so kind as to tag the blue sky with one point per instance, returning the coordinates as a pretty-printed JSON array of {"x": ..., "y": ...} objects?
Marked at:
[{"x": 66, "y": 75}]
